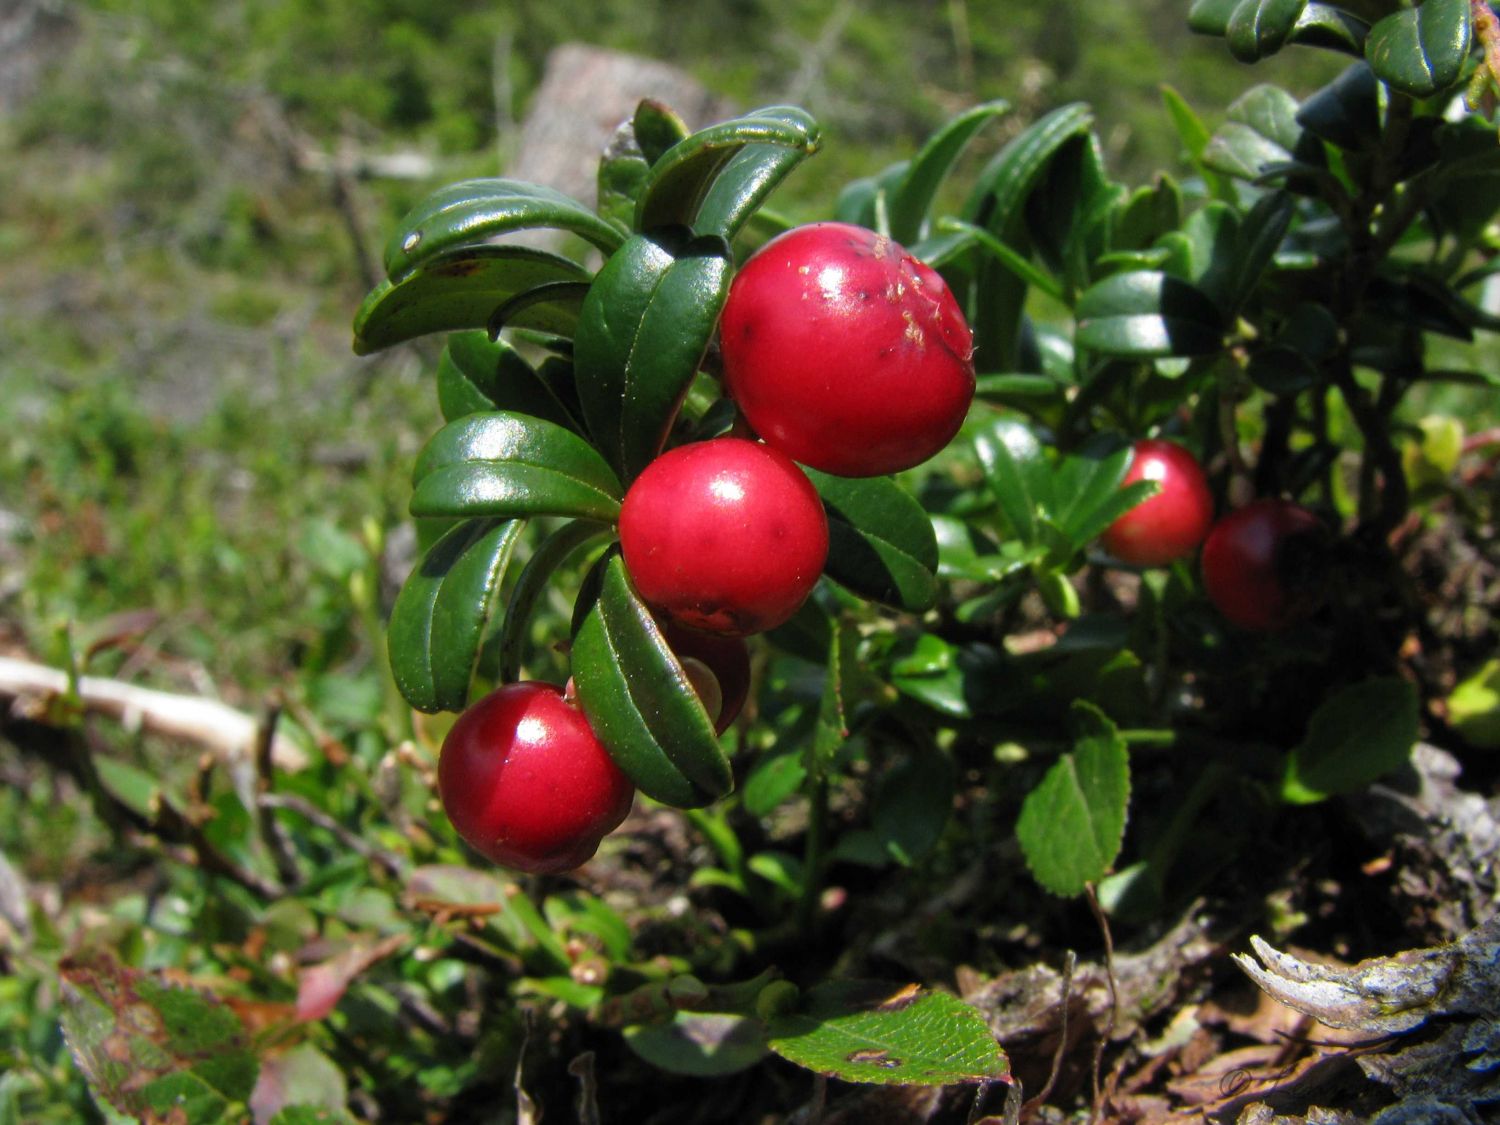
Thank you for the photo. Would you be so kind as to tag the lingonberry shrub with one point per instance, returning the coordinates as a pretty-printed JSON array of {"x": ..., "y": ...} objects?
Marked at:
[
  {"x": 527, "y": 784},
  {"x": 1171, "y": 524},
  {"x": 727, "y": 536},
  {"x": 845, "y": 352},
  {"x": 1262, "y": 564}
]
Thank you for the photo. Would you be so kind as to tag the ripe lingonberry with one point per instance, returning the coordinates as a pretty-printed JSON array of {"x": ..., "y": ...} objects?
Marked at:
[
  {"x": 727, "y": 536},
  {"x": 526, "y": 782},
  {"x": 1170, "y": 525},
  {"x": 1263, "y": 564},
  {"x": 845, "y": 352},
  {"x": 719, "y": 668}
]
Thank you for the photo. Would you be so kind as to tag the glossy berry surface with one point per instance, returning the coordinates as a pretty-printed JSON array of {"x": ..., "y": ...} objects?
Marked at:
[
  {"x": 845, "y": 352},
  {"x": 1170, "y": 525},
  {"x": 727, "y": 536},
  {"x": 527, "y": 784},
  {"x": 1262, "y": 564},
  {"x": 725, "y": 659}
]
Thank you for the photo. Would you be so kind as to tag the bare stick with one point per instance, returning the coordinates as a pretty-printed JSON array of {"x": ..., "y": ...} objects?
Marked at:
[
  {"x": 230, "y": 734},
  {"x": 1070, "y": 961},
  {"x": 1114, "y": 996}
]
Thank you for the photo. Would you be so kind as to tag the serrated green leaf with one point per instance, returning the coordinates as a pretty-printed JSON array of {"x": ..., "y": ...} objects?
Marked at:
[
  {"x": 1072, "y": 824},
  {"x": 861, "y": 1031},
  {"x": 440, "y": 617},
  {"x": 148, "y": 1049},
  {"x": 880, "y": 541},
  {"x": 639, "y": 701},
  {"x": 461, "y": 288},
  {"x": 476, "y": 375},
  {"x": 681, "y": 179},
  {"x": 832, "y": 728},
  {"x": 646, "y": 323},
  {"x": 1148, "y": 313},
  {"x": 1422, "y": 50},
  {"x": 498, "y": 463},
  {"x": 1357, "y": 735},
  {"x": 908, "y": 206},
  {"x": 471, "y": 212}
]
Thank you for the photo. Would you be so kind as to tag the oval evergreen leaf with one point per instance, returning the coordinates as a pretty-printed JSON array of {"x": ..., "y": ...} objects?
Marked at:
[
  {"x": 476, "y": 374},
  {"x": 912, "y": 198},
  {"x": 1147, "y": 313},
  {"x": 639, "y": 701},
  {"x": 1422, "y": 50},
  {"x": 1259, "y": 28},
  {"x": 498, "y": 463},
  {"x": 681, "y": 179},
  {"x": 646, "y": 323},
  {"x": 441, "y": 615},
  {"x": 880, "y": 542},
  {"x": 462, "y": 289},
  {"x": 474, "y": 212}
]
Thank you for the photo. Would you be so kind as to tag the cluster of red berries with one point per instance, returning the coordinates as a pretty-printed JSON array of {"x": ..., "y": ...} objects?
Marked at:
[
  {"x": 1258, "y": 562},
  {"x": 842, "y": 352}
]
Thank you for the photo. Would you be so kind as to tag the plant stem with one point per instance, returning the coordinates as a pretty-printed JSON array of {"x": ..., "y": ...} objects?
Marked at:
[{"x": 812, "y": 858}]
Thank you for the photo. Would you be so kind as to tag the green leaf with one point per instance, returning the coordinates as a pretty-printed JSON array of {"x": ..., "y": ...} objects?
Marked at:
[
  {"x": 1195, "y": 136},
  {"x": 442, "y": 613},
  {"x": 563, "y": 544},
  {"x": 499, "y": 463},
  {"x": 476, "y": 375},
  {"x": 149, "y": 1049},
  {"x": 1072, "y": 824},
  {"x": 471, "y": 212},
  {"x": 772, "y": 780},
  {"x": 657, "y": 128},
  {"x": 462, "y": 288},
  {"x": 623, "y": 171},
  {"x": 831, "y": 730},
  {"x": 861, "y": 1031},
  {"x": 1261, "y": 131},
  {"x": 700, "y": 1044},
  {"x": 997, "y": 203},
  {"x": 1258, "y": 28},
  {"x": 913, "y": 804},
  {"x": 880, "y": 541},
  {"x": 639, "y": 701},
  {"x": 1019, "y": 475},
  {"x": 681, "y": 180},
  {"x": 910, "y": 202},
  {"x": 1346, "y": 112},
  {"x": 1474, "y": 707},
  {"x": 646, "y": 323},
  {"x": 1148, "y": 313},
  {"x": 744, "y": 183},
  {"x": 1357, "y": 735},
  {"x": 1422, "y": 50}
]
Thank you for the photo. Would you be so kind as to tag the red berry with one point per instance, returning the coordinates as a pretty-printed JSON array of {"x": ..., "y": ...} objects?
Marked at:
[
  {"x": 845, "y": 352},
  {"x": 527, "y": 784},
  {"x": 723, "y": 660},
  {"x": 1170, "y": 525},
  {"x": 727, "y": 536},
  {"x": 1262, "y": 564}
]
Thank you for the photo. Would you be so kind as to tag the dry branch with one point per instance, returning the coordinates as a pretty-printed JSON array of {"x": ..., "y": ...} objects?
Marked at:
[{"x": 229, "y": 734}]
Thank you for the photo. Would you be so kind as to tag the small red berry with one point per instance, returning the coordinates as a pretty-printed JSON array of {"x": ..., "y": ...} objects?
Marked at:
[
  {"x": 727, "y": 536},
  {"x": 845, "y": 352},
  {"x": 722, "y": 673},
  {"x": 527, "y": 784},
  {"x": 1170, "y": 525},
  {"x": 1262, "y": 564}
]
